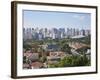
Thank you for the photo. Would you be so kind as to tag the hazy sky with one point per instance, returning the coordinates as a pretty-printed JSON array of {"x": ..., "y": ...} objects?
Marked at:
[{"x": 43, "y": 19}]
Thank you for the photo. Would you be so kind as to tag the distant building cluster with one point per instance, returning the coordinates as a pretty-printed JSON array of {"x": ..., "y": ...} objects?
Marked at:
[{"x": 53, "y": 33}]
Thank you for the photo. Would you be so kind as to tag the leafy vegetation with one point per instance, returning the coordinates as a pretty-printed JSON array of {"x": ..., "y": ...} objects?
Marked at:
[
  {"x": 63, "y": 45},
  {"x": 72, "y": 61}
]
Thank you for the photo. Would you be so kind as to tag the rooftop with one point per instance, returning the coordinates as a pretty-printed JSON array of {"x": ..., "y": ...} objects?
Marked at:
[
  {"x": 37, "y": 64},
  {"x": 78, "y": 36}
]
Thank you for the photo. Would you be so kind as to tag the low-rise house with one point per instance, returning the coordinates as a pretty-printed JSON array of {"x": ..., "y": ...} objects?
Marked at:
[
  {"x": 27, "y": 54},
  {"x": 80, "y": 49},
  {"x": 53, "y": 59},
  {"x": 55, "y": 56},
  {"x": 26, "y": 66},
  {"x": 32, "y": 56},
  {"x": 36, "y": 65},
  {"x": 43, "y": 46},
  {"x": 77, "y": 45}
]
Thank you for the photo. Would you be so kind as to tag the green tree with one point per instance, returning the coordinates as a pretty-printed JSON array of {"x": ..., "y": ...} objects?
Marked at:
[
  {"x": 74, "y": 60},
  {"x": 24, "y": 59},
  {"x": 65, "y": 47},
  {"x": 43, "y": 59}
]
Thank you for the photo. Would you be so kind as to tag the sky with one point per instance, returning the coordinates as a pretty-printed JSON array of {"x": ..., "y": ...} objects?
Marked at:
[{"x": 51, "y": 19}]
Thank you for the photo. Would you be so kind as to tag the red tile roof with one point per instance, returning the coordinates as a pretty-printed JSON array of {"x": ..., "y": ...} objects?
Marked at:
[
  {"x": 37, "y": 64},
  {"x": 78, "y": 45}
]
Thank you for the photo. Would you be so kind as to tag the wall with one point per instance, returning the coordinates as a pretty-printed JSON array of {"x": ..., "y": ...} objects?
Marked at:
[{"x": 5, "y": 40}]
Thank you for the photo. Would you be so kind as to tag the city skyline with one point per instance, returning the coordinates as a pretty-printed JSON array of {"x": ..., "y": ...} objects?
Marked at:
[
  {"x": 48, "y": 19},
  {"x": 54, "y": 33}
]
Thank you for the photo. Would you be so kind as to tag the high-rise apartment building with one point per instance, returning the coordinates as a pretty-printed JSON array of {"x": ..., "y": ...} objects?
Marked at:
[{"x": 53, "y": 33}]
